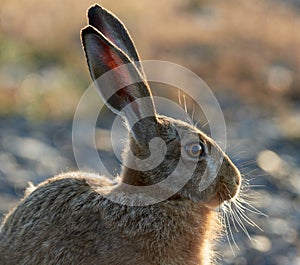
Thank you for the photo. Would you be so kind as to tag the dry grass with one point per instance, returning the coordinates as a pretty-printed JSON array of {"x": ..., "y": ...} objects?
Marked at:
[{"x": 234, "y": 45}]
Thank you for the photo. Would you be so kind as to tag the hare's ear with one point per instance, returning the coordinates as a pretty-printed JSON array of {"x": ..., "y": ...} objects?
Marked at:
[
  {"x": 114, "y": 30},
  {"x": 123, "y": 89}
]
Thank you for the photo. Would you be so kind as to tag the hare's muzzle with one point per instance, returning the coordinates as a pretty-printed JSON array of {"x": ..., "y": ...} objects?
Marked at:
[{"x": 229, "y": 180}]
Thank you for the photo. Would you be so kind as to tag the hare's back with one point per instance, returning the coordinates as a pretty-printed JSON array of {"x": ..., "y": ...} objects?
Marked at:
[{"x": 61, "y": 219}]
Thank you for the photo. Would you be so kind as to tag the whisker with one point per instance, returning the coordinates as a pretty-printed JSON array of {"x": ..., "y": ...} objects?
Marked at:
[
  {"x": 247, "y": 206},
  {"x": 204, "y": 125},
  {"x": 196, "y": 124},
  {"x": 184, "y": 103},
  {"x": 241, "y": 224},
  {"x": 226, "y": 231},
  {"x": 193, "y": 112},
  {"x": 231, "y": 213},
  {"x": 252, "y": 209},
  {"x": 247, "y": 163},
  {"x": 247, "y": 219},
  {"x": 257, "y": 185},
  {"x": 230, "y": 232},
  {"x": 179, "y": 98}
]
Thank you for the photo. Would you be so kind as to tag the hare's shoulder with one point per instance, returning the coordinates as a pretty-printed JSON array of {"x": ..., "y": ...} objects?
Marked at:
[
  {"x": 70, "y": 182},
  {"x": 60, "y": 197},
  {"x": 78, "y": 179},
  {"x": 67, "y": 190}
]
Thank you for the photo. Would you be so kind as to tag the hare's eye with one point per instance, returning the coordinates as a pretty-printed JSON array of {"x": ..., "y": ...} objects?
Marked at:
[{"x": 194, "y": 150}]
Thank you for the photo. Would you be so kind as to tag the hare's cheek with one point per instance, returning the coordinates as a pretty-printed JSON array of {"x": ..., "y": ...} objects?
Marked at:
[
  {"x": 214, "y": 203},
  {"x": 213, "y": 197}
]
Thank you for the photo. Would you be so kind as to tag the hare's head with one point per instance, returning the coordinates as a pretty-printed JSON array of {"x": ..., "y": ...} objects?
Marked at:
[{"x": 175, "y": 157}]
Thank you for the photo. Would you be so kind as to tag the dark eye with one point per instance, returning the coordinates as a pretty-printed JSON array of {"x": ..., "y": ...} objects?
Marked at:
[{"x": 194, "y": 150}]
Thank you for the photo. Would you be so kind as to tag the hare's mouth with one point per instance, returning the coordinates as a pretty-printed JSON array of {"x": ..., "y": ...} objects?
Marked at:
[
  {"x": 227, "y": 194},
  {"x": 225, "y": 191}
]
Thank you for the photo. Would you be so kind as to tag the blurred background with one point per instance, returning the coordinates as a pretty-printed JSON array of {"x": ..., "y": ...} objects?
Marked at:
[{"x": 248, "y": 52}]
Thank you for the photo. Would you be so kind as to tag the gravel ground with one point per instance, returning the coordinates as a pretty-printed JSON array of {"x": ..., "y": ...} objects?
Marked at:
[{"x": 266, "y": 151}]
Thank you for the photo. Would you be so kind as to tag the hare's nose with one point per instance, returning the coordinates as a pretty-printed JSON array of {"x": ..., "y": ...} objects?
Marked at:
[
  {"x": 238, "y": 179},
  {"x": 233, "y": 172}
]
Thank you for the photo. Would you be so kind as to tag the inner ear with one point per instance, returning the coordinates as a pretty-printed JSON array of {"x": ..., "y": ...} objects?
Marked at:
[
  {"x": 114, "y": 30},
  {"x": 125, "y": 80},
  {"x": 120, "y": 84}
]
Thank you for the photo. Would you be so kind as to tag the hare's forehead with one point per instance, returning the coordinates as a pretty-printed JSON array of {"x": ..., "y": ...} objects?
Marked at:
[
  {"x": 182, "y": 129},
  {"x": 179, "y": 124},
  {"x": 191, "y": 134},
  {"x": 186, "y": 131}
]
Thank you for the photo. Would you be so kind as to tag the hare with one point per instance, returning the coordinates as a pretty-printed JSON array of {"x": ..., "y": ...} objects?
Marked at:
[{"x": 71, "y": 218}]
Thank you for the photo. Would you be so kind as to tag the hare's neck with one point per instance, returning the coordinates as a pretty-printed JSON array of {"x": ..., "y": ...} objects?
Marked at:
[
  {"x": 135, "y": 177},
  {"x": 190, "y": 237},
  {"x": 141, "y": 168},
  {"x": 179, "y": 232}
]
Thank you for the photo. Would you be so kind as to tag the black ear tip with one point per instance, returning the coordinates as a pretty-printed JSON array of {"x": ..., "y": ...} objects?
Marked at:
[
  {"x": 95, "y": 7},
  {"x": 94, "y": 10},
  {"x": 88, "y": 30}
]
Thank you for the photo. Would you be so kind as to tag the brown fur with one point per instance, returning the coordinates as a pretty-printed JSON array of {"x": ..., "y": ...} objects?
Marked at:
[
  {"x": 70, "y": 219},
  {"x": 65, "y": 221}
]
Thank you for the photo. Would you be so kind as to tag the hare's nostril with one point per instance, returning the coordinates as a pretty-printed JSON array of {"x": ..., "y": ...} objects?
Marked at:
[{"x": 238, "y": 180}]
